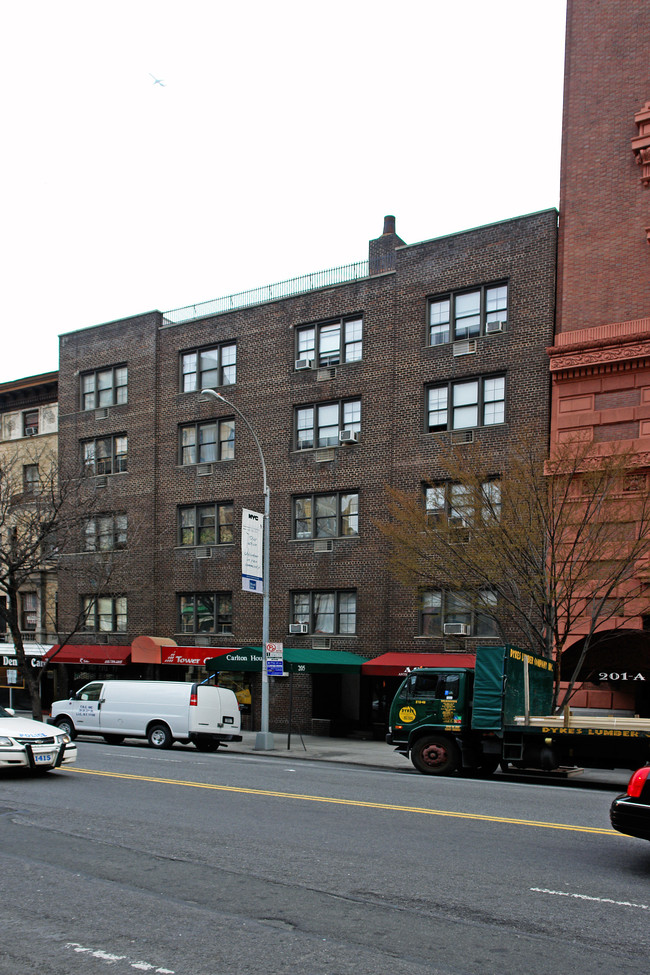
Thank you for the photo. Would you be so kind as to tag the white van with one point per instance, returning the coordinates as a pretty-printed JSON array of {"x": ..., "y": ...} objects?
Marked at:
[{"x": 160, "y": 711}]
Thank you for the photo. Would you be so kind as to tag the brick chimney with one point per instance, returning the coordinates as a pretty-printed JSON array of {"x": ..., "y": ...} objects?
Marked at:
[{"x": 381, "y": 251}]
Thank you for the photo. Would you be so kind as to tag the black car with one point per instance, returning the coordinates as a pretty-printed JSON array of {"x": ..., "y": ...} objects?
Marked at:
[{"x": 631, "y": 813}]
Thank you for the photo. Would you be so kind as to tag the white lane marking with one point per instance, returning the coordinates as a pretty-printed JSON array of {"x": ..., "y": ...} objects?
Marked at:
[
  {"x": 586, "y": 897},
  {"x": 142, "y": 966}
]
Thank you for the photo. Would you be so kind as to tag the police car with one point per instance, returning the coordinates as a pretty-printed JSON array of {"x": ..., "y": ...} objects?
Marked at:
[{"x": 31, "y": 744}]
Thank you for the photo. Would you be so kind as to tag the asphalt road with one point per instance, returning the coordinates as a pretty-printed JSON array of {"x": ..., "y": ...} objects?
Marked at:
[{"x": 229, "y": 864}]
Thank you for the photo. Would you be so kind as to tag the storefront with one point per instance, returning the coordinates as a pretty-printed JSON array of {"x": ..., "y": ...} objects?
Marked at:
[
  {"x": 13, "y": 692},
  {"x": 319, "y": 691},
  {"x": 71, "y": 666}
]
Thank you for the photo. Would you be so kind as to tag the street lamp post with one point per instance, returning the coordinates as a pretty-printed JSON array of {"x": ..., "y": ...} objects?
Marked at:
[{"x": 264, "y": 738}]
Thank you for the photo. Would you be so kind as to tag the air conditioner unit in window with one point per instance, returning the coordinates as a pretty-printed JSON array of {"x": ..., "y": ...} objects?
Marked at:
[
  {"x": 102, "y": 413},
  {"x": 348, "y": 436},
  {"x": 456, "y": 521},
  {"x": 455, "y": 629},
  {"x": 203, "y": 552},
  {"x": 303, "y": 364},
  {"x": 203, "y": 470},
  {"x": 31, "y": 431},
  {"x": 491, "y": 327},
  {"x": 298, "y": 628}
]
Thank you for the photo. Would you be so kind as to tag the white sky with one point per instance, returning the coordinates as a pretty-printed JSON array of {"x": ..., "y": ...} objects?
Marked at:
[{"x": 283, "y": 135}]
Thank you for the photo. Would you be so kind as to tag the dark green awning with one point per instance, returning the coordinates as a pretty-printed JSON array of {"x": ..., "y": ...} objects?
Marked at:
[{"x": 297, "y": 660}]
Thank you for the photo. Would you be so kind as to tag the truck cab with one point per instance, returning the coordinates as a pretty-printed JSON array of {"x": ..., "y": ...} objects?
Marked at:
[{"x": 429, "y": 715}]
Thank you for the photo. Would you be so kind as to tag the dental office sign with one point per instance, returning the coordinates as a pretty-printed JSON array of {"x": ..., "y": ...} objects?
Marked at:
[{"x": 252, "y": 544}]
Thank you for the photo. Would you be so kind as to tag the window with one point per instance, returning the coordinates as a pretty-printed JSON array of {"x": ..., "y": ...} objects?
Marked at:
[
  {"x": 105, "y": 533},
  {"x": 330, "y": 343},
  {"x": 430, "y": 687},
  {"x": 466, "y": 404},
  {"x": 104, "y": 387},
  {"x": 457, "y": 503},
  {"x": 105, "y": 455},
  {"x": 326, "y": 515},
  {"x": 320, "y": 425},
  {"x": 438, "y": 607},
  {"x": 209, "y": 368},
  {"x": 31, "y": 479},
  {"x": 104, "y": 614},
  {"x": 29, "y": 611},
  {"x": 203, "y": 443},
  {"x": 206, "y": 524},
  {"x": 205, "y": 612},
  {"x": 30, "y": 423},
  {"x": 326, "y": 612},
  {"x": 467, "y": 314}
]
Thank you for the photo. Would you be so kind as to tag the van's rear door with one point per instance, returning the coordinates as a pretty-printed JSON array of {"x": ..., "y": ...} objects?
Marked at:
[{"x": 205, "y": 714}]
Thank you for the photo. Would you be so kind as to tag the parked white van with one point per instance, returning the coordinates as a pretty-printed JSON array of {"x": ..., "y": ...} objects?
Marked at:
[{"x": 160, "y": 711}]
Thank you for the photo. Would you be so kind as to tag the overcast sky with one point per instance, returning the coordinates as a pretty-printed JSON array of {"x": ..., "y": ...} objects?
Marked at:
[{"x": 281, "y": 135}]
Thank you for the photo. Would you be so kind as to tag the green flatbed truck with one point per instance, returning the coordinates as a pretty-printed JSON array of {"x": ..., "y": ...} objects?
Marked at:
[{"x": 499, "y": 714}]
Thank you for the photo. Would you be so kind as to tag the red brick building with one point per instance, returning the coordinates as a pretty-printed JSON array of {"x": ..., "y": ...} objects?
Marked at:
[
  {"x": 345, "y": 376},
  {"x": 600, "y": 360}
]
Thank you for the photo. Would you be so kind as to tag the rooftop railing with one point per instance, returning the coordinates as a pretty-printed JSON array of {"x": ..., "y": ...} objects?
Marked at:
[{"x": 269, "y": 292}]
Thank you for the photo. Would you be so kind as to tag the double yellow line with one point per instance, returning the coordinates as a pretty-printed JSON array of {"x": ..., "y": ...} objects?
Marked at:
[{"x": 358, "y": 803}]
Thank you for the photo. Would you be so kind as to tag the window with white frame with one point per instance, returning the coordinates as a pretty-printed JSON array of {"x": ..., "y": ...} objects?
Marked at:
[
  {"x": 206, "y": 524},
  {"x": 104, "y": 614},
  {"x": 332, "y": 613},
  {"x": 330, "y": 343},
  {"x": 203, "y": 443},
  {"x": 466, "y": 404},
  {"x": 105, "y": 455},
  {"x": 209, "y": 368},
  {"x": 105, "y": 533},
  {"x": 326, "y": 515},
  {"x": 320, "y": 425},
  {"x": 467, "y": 314},
  {"x": 458, "y": 503},
  {"x": 475, "y": 610},
  {"x": 104, "y": 387},
  {"x": 205, "y": 612}
]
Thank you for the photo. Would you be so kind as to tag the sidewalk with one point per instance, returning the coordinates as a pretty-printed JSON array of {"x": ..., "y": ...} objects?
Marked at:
[{"x": 352, "y": 751}]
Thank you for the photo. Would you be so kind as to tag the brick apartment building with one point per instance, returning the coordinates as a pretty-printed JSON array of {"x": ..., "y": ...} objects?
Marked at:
[
  {"x": 28, "y": 456},
  {"x": 600, "y": 361},
  {"x": 345, "y": 376}
]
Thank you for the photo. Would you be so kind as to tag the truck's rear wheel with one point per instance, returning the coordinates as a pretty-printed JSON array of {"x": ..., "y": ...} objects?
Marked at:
[
  {"x": 159, "y": 736},
  {"x": 435, "y": 755}
]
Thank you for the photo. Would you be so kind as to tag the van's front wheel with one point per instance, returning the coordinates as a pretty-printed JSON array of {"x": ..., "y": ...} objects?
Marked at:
[
  {"x": 67, "y": 727},
  {"x": 435, "y": 755},
  {"x": 159, "y": 736}
]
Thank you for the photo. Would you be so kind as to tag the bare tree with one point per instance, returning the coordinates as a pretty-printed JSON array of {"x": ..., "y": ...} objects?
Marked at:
[
  {"x": 543, "y": 547},
  {"x": 40, "y": 517}
]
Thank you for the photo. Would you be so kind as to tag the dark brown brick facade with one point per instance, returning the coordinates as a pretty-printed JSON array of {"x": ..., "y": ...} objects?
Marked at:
[{"x": 393, "y": 449}]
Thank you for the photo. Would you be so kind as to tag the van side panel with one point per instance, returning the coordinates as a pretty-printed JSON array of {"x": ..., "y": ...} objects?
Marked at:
[{"x": 130, "y": 706}]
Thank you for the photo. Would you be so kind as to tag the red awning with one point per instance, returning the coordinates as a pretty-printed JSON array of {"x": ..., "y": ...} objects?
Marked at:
[
  {"x": 94, "y": 655},
  {"x": 191, "y": 656},
  {"x": 394, "y": 664}
]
